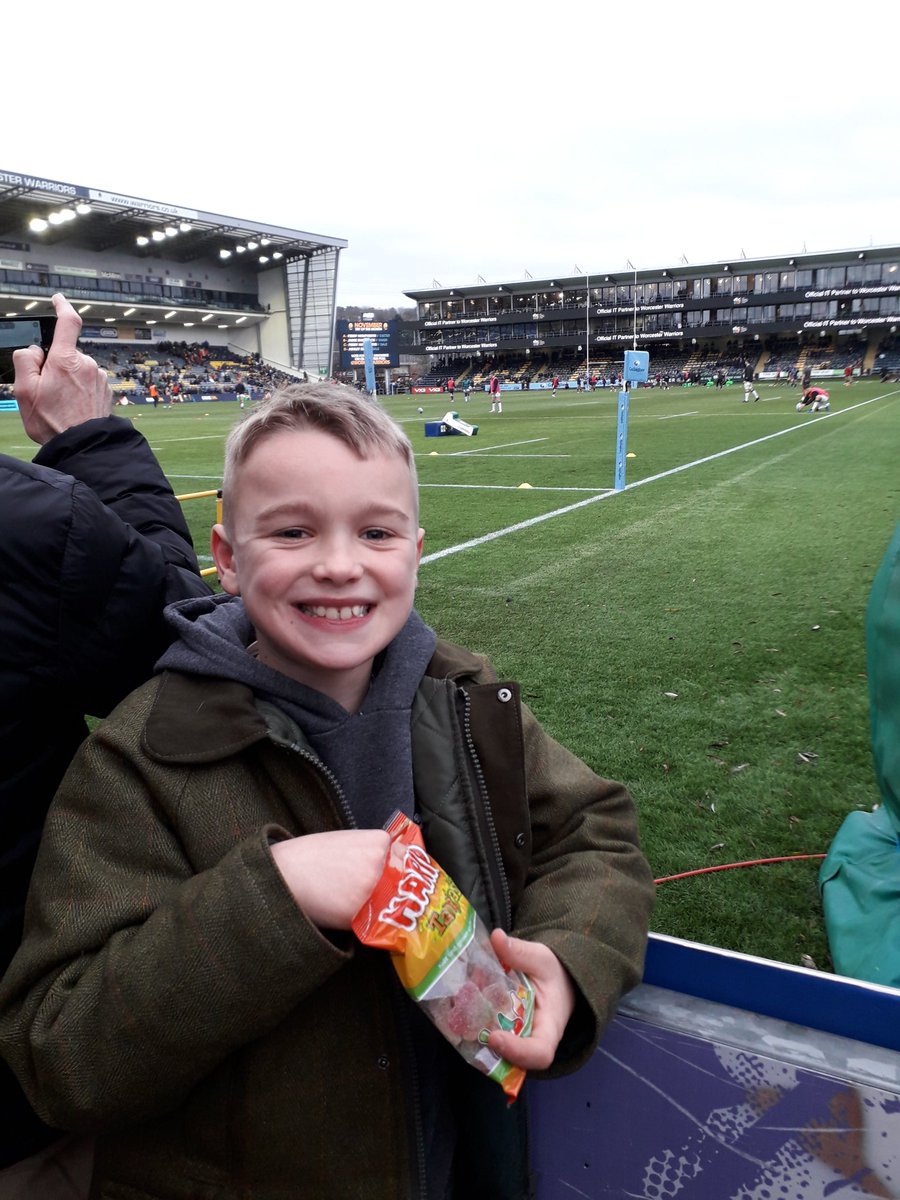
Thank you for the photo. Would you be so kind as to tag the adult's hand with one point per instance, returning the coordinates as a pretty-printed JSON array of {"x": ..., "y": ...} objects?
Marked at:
[{"x": 66, "y": 389}]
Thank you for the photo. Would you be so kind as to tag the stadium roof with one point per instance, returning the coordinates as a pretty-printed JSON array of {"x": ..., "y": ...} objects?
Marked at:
[{"x": 102, "y": 220}]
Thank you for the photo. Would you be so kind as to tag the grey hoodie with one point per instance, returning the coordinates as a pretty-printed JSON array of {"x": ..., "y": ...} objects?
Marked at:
[{"x": 368, "y": 751}]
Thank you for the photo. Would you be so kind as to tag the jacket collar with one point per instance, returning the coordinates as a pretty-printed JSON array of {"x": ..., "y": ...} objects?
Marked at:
[{"x": 195, "y": 719}]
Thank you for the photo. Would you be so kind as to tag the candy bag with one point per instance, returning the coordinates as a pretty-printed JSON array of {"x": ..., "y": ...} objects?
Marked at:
[{"x": 442, "y": 953}]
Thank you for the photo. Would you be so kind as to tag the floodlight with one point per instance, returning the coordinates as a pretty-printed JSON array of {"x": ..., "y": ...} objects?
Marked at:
[
  {"x": 37, "y": 224},
  {"x": 223, "y": 253},
  {"x": 142, "y": 241},
  {"x": 158, "y": 235},
  {"x": 173, "y": 313}
]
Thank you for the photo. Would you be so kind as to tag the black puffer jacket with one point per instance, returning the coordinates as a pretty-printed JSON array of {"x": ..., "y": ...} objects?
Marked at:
[{"x": 93, "y": 544}]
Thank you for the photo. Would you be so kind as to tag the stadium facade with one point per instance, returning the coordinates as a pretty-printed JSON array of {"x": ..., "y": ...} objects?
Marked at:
[
  {"x": 781, "y": 308},
  {"x": 146, "y": 270}
]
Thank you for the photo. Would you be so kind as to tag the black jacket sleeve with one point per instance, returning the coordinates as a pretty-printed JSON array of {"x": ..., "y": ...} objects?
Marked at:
[{"x": 128, "y": 553}]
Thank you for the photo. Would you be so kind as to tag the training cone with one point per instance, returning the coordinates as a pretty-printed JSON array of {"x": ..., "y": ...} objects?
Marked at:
[
  {"x": 433, "y": 454},
  {"x": 524, "y": 485},
  {"x": 630, "y": 454}
]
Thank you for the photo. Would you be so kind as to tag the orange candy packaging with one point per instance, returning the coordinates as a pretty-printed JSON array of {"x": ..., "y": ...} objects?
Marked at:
[{"x": 442, "y": 953}]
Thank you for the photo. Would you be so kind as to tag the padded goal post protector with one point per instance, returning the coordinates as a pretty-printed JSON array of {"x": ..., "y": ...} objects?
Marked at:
[
  {"x": 860, "y": 878},
  {"x": 449, "y": 425}
]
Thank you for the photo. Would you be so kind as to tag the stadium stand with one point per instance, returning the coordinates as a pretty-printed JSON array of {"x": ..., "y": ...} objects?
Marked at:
[
  {"x": 826, "y": 310},
  {"x": 146, "y": 273}
]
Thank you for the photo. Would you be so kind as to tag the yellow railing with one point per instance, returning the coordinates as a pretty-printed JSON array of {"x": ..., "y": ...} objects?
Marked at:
[{"x": 217, "y": 492}]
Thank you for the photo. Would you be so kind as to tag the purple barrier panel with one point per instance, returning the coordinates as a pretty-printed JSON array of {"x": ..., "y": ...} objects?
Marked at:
[{"x": 690, "y": 1098}]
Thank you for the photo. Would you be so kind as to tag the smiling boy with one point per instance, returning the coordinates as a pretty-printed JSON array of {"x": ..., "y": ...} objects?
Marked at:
[
  {"x": 187, "y": 987},
  {"x": 325, "y": 557}
]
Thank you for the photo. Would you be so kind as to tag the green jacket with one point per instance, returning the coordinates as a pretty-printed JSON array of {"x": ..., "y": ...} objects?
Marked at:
[{"x": 170, "y": 994}]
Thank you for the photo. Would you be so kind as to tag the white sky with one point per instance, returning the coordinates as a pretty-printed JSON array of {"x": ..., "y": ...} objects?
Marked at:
[{"x": 450, "y": 141}]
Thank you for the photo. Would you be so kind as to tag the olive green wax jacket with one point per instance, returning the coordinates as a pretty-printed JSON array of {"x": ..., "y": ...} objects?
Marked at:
[{"x": 172, "y": 997}]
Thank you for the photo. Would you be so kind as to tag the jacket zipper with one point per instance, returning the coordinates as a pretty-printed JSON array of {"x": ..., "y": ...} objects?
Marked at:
[
  {"x": 319, "y": 766},
  {"x": 501, "y": 888},
  {"x": 412, "y": 1110}
]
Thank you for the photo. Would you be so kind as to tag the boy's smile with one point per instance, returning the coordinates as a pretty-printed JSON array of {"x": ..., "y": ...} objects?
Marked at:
[{"x": 323, "y": 548}]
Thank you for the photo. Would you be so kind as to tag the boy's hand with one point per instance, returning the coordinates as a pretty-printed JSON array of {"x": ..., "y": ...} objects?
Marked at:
[
  {"x": 331, "y": 875},
  {"x": 553, "y": 1003},
  {"x": 66, "y": 389}
]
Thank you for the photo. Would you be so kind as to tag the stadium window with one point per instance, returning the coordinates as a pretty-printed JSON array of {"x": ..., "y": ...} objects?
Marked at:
[
  {"x": 855, "y": 273},
  {"x": 873, "y": 273},
  {"x": 786, "y": 281},
  {"x": 834, "y": 277}
]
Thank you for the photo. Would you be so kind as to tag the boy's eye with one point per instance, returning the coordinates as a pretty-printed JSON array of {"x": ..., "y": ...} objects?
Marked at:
[
  {"x": 376, "y": 535},
  {"x": 292, "y": 534}
]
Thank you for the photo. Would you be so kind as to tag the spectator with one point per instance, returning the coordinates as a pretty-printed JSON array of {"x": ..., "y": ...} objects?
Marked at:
[
  {"x": 860, "y": 877},
  {"x": 92, "y": 546}
]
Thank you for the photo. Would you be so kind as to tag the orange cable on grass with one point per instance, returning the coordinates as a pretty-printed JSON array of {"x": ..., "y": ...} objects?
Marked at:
[{"x": 754, "y": 862}]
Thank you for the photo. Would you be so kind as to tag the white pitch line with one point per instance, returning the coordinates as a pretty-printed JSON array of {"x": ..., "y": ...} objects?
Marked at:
[
  {"x": 560, "y": 512},
  {"x": 201, "y": 437},
  {"x": 477, "y": 454},
  {"x": 501, "y": 446},
  {"x": 669, "y": 416},
  {"x": 510, "y": 487}
]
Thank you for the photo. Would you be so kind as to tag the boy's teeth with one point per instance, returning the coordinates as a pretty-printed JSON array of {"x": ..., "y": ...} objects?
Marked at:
[{"x": 336, "y": 614}]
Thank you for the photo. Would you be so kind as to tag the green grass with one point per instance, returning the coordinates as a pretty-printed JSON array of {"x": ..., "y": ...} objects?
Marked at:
[{"x": 692, "y": 635}]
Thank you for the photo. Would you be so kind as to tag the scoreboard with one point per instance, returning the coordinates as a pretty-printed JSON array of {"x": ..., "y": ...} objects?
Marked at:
[{"x": 352, "y": 336}]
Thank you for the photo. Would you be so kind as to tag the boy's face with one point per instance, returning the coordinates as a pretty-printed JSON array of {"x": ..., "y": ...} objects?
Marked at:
[{"x": 323, "y": 547}]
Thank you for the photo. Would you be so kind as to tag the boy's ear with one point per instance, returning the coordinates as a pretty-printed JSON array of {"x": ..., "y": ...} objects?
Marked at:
[
  {"x": 419, "y": 540},
  {"x": 223, "y": 557}
]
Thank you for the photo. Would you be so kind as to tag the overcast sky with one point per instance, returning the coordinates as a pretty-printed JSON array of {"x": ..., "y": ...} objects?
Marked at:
[{"x": 447, "y": 142}]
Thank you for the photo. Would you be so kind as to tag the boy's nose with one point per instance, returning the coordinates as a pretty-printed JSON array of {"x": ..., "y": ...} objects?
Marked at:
[{"x": 337, "y": 561}]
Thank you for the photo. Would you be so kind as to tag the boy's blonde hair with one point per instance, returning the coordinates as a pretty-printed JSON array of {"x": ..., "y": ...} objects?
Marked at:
[{"x": 346, "y": 414}]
